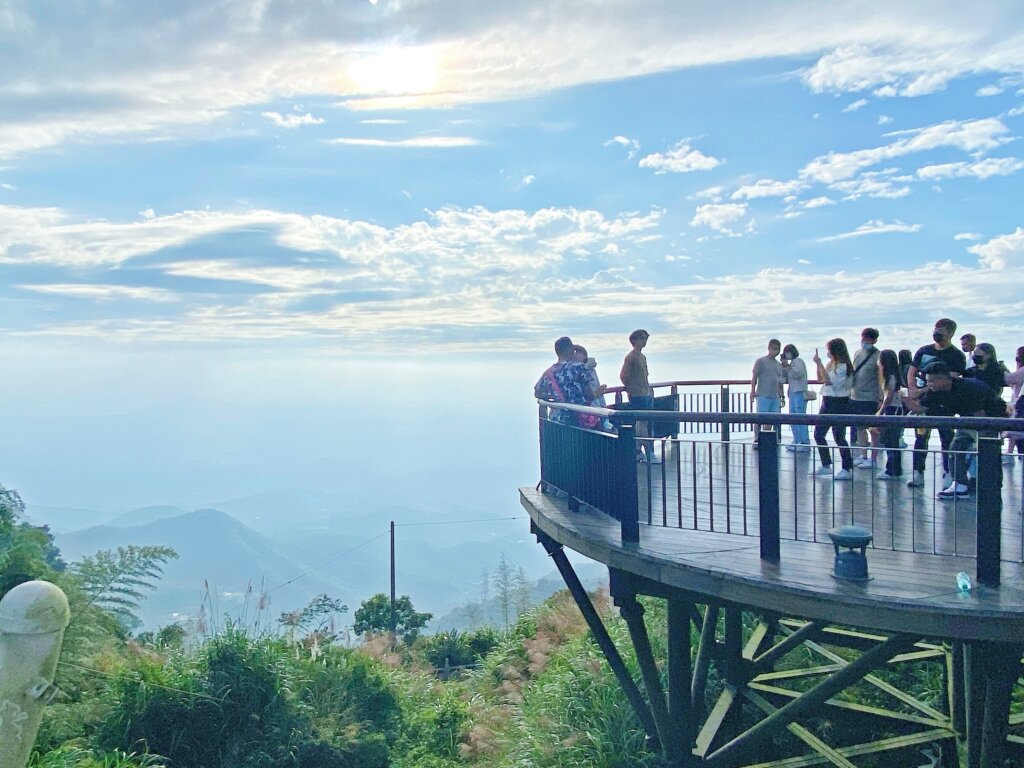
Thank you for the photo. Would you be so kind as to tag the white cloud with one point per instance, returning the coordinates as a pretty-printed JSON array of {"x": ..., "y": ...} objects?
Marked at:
[
  {"x": 192, "y": 64},
  {"x": 767, "y": 188},
  {"x": 981, "y": 169},
  {"x": 873, "y": 227},
  {"x": 805, "y": 262},
  {"x": 1016, "y": 111},
  {"x": 383, "y": 121},
  {"x": 291, "y": 120},
  {"x": 682, "y": 158},
  {"x": 966, "y": 135},
  {"x": 884, "y": 119},
  {"x": 1002, "y": 252},
  {"x": 967, "y": 236},
  {"x": 711, "y": 193},
  {"x": 871, "y": 184},
  {"x": 719, "y": 216},
  {"x": 989, "y": 90},
  {"x": 527, "y": 180},
  {"x": 818, "y": 202},
  {"x": 8, "y": 187},
  {"x": 853, "y": 106},
  {"x": 419, "y": 142},
  {"x": 100, "y": 292}
]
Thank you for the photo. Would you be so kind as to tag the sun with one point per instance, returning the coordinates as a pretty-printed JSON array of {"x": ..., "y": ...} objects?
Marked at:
[{"x": 396, "y": 71}]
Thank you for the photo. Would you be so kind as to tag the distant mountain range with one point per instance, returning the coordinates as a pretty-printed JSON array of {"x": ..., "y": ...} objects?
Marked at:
[{"x": 298, "y": 546}]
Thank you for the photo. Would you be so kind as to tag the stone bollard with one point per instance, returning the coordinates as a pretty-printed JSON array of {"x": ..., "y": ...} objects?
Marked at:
[{"x": 33, "y": 617}]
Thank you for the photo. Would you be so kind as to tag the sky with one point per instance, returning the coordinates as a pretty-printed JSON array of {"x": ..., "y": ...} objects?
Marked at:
[{"x": 247, "y": 245}]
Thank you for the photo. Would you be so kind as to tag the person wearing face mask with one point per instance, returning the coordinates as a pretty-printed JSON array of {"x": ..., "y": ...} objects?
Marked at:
[
  {"x": 796, "y": 377},
  {"x": 987, "y": 367},
  {"x": 865, "y": 395},
  {"x": 1015, "y": 379},
  {"x": 941, "y": 350}
]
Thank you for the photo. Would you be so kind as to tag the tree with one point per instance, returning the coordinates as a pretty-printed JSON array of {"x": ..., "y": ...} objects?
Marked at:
[
  {"x": 26, "y": 551},
  {"x": 503, "y": 586},
  {"x": 116, "y": 580},
  {"x": 316, "y": 621},
  {"x": 374, "y": 616},
  {"x": 522, "y": 591}
]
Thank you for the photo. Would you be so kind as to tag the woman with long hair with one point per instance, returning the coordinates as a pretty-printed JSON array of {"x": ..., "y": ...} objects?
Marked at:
[
  {"x": 891, "y": 405},
  {"x": 837, "y": 376},
  {"x": 796, "y": 375}
]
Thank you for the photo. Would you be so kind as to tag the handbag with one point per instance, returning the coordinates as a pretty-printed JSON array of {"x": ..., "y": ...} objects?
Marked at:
[
  {"x": 585, "y": 420},
  {"x": 810, "y": 395}
]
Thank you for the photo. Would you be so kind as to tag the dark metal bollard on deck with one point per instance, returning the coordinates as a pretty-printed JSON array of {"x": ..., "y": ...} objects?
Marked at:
[
  {"x": 724, "y": 407},
  {"x": 768, "y": 492},
  {"x": 851, "y": 543},
  {"x": 990, "y": 508}
]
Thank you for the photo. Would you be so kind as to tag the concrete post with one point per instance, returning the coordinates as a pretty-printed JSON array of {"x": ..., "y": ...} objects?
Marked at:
[{"x": 33, "y": 617}]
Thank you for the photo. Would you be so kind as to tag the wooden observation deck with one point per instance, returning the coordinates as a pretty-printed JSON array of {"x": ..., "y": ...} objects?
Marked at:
[{"x": 732, "y": 534}]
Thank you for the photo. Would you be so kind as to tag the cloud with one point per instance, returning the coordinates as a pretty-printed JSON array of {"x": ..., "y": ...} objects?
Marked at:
[
  {"x": 818, "y": 202},
  {"x": 989, "y": 90},
  {"x": 1002, "y": 252},
  {"x": 853, "y": 106},
  {"x": 872, "y": 184},
  {"x": 965, "y": 135},
  {"x": 767, "y": 188},
  {"x": 1016, "y": 111},
  {"x": 873, "y": 227},
  {"x": 719, "y": 216},
  {"x": 967, "y": 236},
  {"x": 8, "y": 187},
  {"x": 682, "y": 158},
  {"x": 291, "y": 121},
  {"x": 884, "y": 119},
  {"x": 527, "y": 180},
  {"x": 419, "y": 142},
  {"x": 191, "y": 65},
  {"x": 981, "y": 169},
  {"x": 100, "y": 292},
  {"x": 711, "y": 193},
  {"x": 383, "y": 121}
]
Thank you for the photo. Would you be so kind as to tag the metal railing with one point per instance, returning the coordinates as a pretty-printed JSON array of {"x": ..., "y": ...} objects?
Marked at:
[
  {"x": 699, "y": 396},
  {"x": 757, "y": 489}
]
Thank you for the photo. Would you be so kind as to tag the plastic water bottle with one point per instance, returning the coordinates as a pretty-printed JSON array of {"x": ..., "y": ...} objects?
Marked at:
[{"x": 963, "y": 582}]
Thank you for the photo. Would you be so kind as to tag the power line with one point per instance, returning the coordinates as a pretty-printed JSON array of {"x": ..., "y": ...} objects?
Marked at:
[
  {"x": 113, "y": 676},
  {"x": 461, "y": 522}
]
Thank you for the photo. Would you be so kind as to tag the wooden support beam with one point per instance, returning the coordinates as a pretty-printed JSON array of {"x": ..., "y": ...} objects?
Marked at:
[
  {"x": 709, "y": 731},
  {"x": 767, "y": 659},
  {"x": 600, "y": 633},
  {"x": 680, "y": 677},
  {"x": 705, "y": 652},
  {"x": 633, "y": 613},
  {"x": 863, "y": 709},
  {"x": 731, "y": 754},
  {"x": 808, "y": 738},
  {"x": 1002, "y": 670}
]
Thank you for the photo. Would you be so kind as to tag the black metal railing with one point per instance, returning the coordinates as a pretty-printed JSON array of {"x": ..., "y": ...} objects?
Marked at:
[{"x": 757, "y": 489}]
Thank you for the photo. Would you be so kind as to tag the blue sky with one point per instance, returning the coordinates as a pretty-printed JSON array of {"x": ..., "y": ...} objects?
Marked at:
[{"x": 320, "y": 187}]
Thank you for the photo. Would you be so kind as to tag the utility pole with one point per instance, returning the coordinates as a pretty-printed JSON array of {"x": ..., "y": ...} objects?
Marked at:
[{"x": 394, "y": 618}]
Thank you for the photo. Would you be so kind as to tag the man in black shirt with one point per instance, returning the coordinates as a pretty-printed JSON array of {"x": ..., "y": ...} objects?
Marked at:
[
  {"x": 943, "y": 351},
  {"x": 948, "y": 396}
]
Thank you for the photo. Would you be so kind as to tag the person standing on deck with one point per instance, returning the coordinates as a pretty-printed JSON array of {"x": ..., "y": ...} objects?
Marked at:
[
  {"x": 942, "y": 351},
  {"x": 968, "y": 343},
  {"x": 767, "y": 380},
  {"x": 796, "y": 376},
  {"x": 865, "y": 395},
  {"x": 1015, "y": 380},
  {"x": 888, "y": 372},
  {"x": 636, "y": 379},
  {"x": 835, "y": 399},
  {"x": 567, "y": 381},
  {"x": 986, "y": 368}
]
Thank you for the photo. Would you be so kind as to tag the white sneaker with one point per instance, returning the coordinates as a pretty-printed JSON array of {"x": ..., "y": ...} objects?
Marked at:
[
  {"x": 824, "y": 471},
  {"x": 883, "y": 475},
  {"x": 862, "y": 462},
  {"x": 842, "y": 474},
  {"x": 653, "y": 458},
  {"x": 917, "y": 480}
]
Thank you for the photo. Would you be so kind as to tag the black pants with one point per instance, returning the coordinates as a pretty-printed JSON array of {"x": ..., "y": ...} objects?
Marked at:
[
  {"x": 833, "y": 405},
  {"x": 891, "y": 442},
  {"x": 861, "y": 408},
  {"x": 921, "y": 447}
]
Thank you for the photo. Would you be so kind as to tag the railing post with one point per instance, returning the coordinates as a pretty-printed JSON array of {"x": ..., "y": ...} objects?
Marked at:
[
  {"x": 627, "y": 496},
  {"x": 768, "y": 491},
  {"x": 724, "y": 407},
  {"x": 990, "y": 509},
  {"x": 33, "y": 617}
]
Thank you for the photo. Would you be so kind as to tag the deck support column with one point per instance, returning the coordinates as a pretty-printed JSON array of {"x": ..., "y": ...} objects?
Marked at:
[
  {"x": 680, "y": 677},
  {"x": 992, "y": 670},
  {"x": 600, "y": 633},
  {"x": 633, "y": 613},
  {"x": 705, "y": 652}
]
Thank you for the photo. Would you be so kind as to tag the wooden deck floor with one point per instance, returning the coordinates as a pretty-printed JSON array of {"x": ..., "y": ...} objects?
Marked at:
[
  {"x": 712, "y": 486},
  {"x": 909, "y": 591}
]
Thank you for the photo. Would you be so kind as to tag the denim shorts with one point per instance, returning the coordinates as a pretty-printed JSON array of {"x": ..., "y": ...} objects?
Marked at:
[{"x": 641, "y": 402}]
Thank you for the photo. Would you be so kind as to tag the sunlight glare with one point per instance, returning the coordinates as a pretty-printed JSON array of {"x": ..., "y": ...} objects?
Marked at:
[{"x": 396, "y": 70}]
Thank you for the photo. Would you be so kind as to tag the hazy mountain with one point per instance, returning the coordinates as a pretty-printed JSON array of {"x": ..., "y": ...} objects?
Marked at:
[
  {"x": 214, "y": 550},
  {"x": 145, "y": 515}
]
